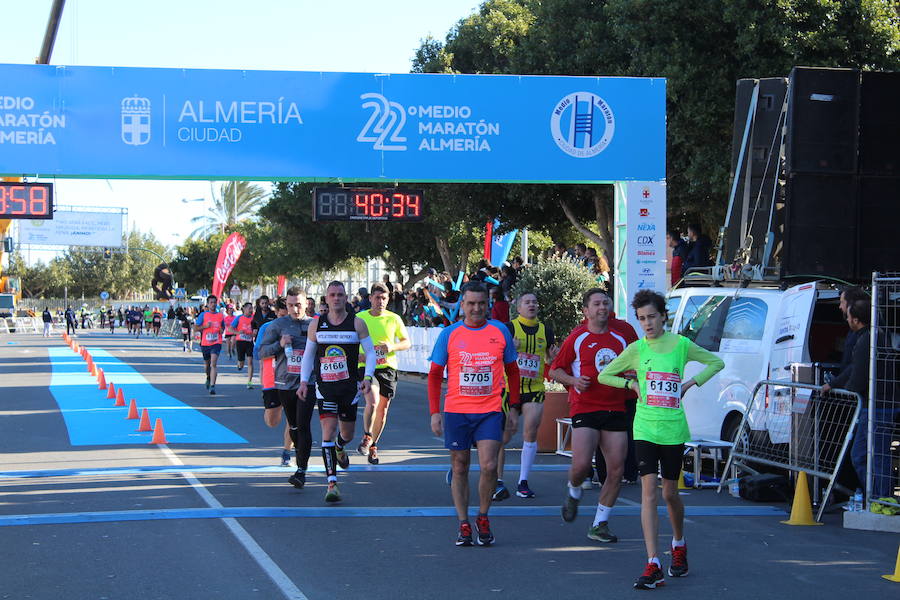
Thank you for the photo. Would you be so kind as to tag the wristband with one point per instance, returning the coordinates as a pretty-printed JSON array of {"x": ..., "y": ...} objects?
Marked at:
[
  {"x": 367, "y": 377},
  {"x": 627, "y": 385}
]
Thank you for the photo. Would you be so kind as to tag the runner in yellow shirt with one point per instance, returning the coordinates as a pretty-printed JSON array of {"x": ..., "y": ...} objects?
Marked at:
[
  {"x": 389, "y": 336},
  {"x": 660, "y": 425}
]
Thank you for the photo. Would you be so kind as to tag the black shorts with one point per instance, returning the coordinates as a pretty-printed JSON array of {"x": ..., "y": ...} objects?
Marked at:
[
  {"x": 665, "y": 459},
  {"x": 342, "y": 407},
  {"x": 271, "y": 399},
  {"x": 387, "y": 381},
  {"x": 536, "y": 397},
  {"x": 601, "y": 420},
  {"x": 244, "y": 349}
]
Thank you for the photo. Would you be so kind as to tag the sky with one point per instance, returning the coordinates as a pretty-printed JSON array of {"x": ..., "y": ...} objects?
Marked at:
[{"x": 290, "y": 35}]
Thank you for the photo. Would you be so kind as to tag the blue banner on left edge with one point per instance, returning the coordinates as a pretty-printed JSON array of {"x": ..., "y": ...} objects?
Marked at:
[{"x": 158, "y": 123}]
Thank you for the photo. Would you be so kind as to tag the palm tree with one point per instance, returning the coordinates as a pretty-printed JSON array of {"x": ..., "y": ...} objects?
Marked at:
[{"x": 237, "y": 201}]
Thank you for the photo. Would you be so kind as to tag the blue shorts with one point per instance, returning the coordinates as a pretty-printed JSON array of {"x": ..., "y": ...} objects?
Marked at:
[
  {"x": 461, "y": 429},
  {"x": 209, "y": 350}
]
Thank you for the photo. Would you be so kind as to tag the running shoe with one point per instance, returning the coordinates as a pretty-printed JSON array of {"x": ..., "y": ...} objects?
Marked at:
[
  {"x": 600, "y": 532},
  {"x": 485, "y": 537},
  {"x": 207, "y": 383},
  {"x": 298, "y": 479},
  {"x": 249, "y": 384},
  {"x": 343, "y": 460},
  {"x": 212, "y": 390},
  {"x": 373, "y": 455},
  {"x": 679, "y": 567},
  {"x": 500, "y": 493},
  {"x": 333, "y": 494},
  {"x": 570, "y": 508},
  {"x": 285, "y": 458},
  {"x": 523, "y": 491},
  {"x": 465, "y": 534},
  {"x": 363, "y": 447},
  {"x": 652, "y": 577}
]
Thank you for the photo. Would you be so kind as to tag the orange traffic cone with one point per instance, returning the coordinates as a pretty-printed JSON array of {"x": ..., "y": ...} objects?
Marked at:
[
  {"x": 92, "y": 367},
  {"x": 83, "y": 353},
  {"x": 101, "y": 378},
  {"x": 111, "y": 391},
  {"x": 89, "y": 362},
  {"x": 132, "y": 410},
  {"x": 145, "y": 421},
  {"x": 159, "y": 434},
  {"x": 120, "y": 397}
]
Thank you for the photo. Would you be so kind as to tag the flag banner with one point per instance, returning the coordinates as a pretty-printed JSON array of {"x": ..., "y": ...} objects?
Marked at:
[
  {"x": 282, "y": 285},
  {"x": 228, "y": 257}
]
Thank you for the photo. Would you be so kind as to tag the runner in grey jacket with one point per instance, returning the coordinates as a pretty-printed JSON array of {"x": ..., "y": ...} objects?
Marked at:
[{"x": 285, "y": 339}]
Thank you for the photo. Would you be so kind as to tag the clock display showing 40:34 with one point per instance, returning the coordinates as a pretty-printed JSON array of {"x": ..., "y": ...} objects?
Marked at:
[{"x": 367, "y": 204}]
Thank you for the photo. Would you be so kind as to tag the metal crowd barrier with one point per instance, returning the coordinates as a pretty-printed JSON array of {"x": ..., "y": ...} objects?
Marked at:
[
  {"x": 793, "y": 426},
  {"x": 22, "y": 325}
]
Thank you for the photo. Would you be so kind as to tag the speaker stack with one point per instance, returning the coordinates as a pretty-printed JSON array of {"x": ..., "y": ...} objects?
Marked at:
[{"x": 842, "y": 194}]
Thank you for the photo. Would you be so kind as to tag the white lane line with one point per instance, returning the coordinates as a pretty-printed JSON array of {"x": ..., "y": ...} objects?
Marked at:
[{"x": 278, "y": 577}]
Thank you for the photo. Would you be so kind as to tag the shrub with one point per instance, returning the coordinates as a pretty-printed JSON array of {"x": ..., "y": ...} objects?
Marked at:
[{"x": 558, "y": 284}]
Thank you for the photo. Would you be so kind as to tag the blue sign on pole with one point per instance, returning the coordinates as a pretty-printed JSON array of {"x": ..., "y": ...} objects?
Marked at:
[
  {"x": 203, "y": 293},
  {"x": 104, "y": 295},
  {"x": 204, "y": 124},
  {"x": 180, "y": 293}
]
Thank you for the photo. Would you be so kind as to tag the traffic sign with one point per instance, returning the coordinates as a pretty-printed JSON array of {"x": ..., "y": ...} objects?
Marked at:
[
  {"x": 235, "y": 290},
  {"x": 104, "y": 295},
  {"x": 180, "y": 293},
  {"x": 204, "y": 292}
]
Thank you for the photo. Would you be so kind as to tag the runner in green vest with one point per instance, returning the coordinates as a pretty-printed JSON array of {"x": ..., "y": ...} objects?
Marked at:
[{"x": 660, "y": 425}]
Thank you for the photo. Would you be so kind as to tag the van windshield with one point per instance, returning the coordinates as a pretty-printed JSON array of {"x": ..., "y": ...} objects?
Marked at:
[{"x": 706, "y": 325}]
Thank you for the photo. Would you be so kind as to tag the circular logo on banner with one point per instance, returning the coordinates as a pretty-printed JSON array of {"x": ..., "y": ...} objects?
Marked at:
[
  {"x": 104, "y": 295},
  {"x": 582, "y": 124}
]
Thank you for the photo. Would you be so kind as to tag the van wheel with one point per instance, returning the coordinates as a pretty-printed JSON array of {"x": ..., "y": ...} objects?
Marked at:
[{"x": 732, "y": 422}]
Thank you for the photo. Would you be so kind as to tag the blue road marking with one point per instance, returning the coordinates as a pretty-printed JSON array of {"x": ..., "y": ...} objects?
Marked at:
[
  {"x": 243, "y": 469},
  {"x": 347, "y": 511},
  {"x": 92, "y": 420}
]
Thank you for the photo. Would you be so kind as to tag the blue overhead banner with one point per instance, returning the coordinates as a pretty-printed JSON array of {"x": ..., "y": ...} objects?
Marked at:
[{"x": 216, "y": 124}]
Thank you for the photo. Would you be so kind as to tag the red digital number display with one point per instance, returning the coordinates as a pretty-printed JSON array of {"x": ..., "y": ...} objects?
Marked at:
[
  {"x": 367, "y": 204},
  {"x": 26, "y": 200}
]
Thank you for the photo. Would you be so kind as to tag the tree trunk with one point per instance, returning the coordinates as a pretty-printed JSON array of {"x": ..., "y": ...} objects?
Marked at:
[
  {"x": 443, "y": 248},
  {"x": 603, "y": 216}
]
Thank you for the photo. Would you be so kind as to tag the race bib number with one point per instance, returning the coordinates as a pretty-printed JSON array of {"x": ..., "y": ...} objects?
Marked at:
[
  {"x": 334, "y": 368},
  {"x": 528, "y": 365},
  {"x": 184, "y": 330},
  {"x": 245, "y": 337},
  {"x": 380, "y": 355},
  {"x": 663, "y": 390},
  {"x": 294, "y": 359},
  {"x": 211, "y": 336},
  {"x": 476, "y": 381}
]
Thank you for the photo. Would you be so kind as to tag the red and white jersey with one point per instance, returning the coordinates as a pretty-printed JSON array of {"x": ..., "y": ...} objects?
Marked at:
[{"x": 586, "y": 354}]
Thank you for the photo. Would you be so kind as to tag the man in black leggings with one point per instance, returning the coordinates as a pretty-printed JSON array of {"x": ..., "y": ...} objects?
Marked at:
[{"x": 285, "y": 339}]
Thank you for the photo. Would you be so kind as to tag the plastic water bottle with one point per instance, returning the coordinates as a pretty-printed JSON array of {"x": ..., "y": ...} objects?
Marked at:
[{"x": 856, "y": 502}]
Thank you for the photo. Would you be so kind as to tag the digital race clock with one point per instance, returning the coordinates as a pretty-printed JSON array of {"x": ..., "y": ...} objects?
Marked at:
[
  {"x": 26, "y": 200},
  {"x": 367, "y": 204}
]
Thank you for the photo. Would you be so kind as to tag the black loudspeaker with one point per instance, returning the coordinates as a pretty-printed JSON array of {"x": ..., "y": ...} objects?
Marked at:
[
  {"x": 879, "y": 223},
  {"x": 879, "y": 124},
  {"x": 820, "y": 230},
  {"x": 823, "y": 120}
]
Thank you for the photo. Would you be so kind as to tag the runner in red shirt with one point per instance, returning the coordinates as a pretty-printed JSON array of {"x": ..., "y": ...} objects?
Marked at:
[
  {"x": 210, "y": 324},
  {"x": 597, "y": 412}
]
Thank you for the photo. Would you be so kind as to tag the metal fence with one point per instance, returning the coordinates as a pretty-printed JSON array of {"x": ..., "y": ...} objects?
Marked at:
[
  {"x": 795, "y": 427},
  {"x": 882, "y": 417}
]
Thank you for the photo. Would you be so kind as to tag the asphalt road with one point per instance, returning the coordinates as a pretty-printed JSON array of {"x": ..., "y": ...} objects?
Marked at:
[{"x": 204, "y": 520}]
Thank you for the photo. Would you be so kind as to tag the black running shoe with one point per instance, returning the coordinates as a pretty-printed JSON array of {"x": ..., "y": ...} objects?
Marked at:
[
  {"x": 465, "y": 534},
  {"x": 523, "y": 491},
  {"x": 485, "y": 537},
  {"x": 373, "y": 455},
  {"x": 212, "y": 390},
  {"x": 298, "y": 479},
  {"x": 652, "y": 577},
  {"x": 500, "y": 493},
  {"x": 679, "y": 566},
  {"x": 570, "y": 508}
]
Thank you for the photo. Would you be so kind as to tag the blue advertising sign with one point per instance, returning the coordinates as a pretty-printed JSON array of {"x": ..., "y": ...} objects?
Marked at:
[
  {"x": 218, "y": 124},
  {"x": 104, "y": 295}
]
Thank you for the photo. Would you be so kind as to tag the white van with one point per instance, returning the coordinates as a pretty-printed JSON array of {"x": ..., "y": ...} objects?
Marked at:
[{"x": 758, "y": 330}]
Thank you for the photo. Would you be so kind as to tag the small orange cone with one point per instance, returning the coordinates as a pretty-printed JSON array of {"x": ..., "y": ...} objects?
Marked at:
[
  {"x": 159, "y": 434},
  {"x": 101, "y": 379},
  {"x": 111, "y": 391},
  {"x": 145, "y": 421},
  {"x": 132, "y": 410},
  {"x": 801, "y": 511},
  {"x": 83, "y": 353},
  {"x": 90, "y": 363},
  {"x": 93, "y": 368},
  {"x": 120, "y": 397}
]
